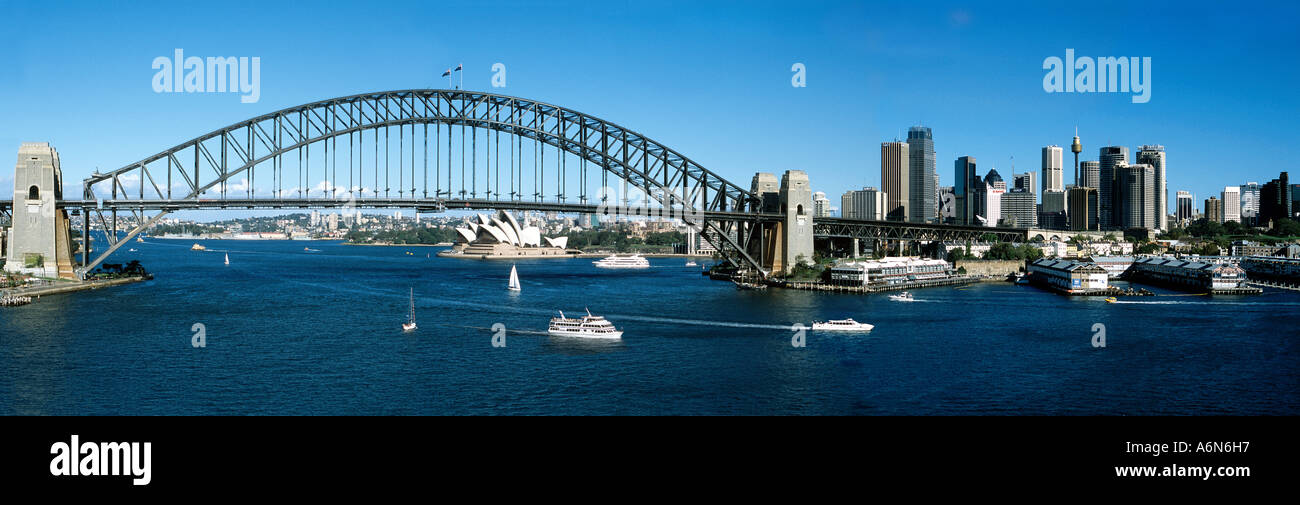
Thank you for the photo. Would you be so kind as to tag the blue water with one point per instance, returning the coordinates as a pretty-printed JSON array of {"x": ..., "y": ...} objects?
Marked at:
[{"x": 295, "y": 332}]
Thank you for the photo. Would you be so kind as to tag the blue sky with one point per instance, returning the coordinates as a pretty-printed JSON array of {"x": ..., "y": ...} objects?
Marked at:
[{"x": 710, "y": 79}]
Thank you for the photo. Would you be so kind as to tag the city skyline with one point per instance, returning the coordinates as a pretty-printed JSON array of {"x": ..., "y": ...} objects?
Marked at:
[{"x": 705, "y": 100}]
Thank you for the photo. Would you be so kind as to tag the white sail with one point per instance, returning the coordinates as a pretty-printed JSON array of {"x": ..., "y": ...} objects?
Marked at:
[
  {"x": 227, "y": 258},
  {"x": 514, "y": 279}
]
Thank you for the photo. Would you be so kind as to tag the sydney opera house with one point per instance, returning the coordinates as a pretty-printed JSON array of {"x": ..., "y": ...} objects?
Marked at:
[{"x": 501, "y": 236}]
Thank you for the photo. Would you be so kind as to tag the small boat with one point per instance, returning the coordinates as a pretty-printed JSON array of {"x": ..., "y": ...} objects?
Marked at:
[
  {"x": 139, "y": 239},
  {"x": 131, "y": 250},
  {"x": 841, "y": 325},
  {"x": 197, "y": 247},
  {"x": 902, "y": 297},
  {"x": 747, "y": 286},
  {"x": 308, "y": 249},
  {"x": 616, "y": 261},
  {"x": 514, "y": 280},
  {"x": 409, "y": 325},
  {"x": 588, "y": 326},
  {"x": 227, "y": 258},
  {"x": 1111, "y": 299},
  {"x": 691, "y": 263}
]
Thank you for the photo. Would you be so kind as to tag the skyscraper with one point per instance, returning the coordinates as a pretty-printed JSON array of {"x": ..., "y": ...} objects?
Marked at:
[
  {"x": 1214, "y": 209},
  {"x": 895, "y": 180},
  {"x": 1053, "y": 177},
  {"x": 1090, "y": 175},
  {"x": 1083, "y": 208},
  {"x": 920, "y": 146},
  {"x": 1186, "y": 209},
  {"x": 867, "y": 203},
  {"x": 1231, "y": 197},
  {"x": 964, "y": 183},
  {"x": 821, "y": 205},
  {"x": 1249, "y": 203},
  {"x": 1026, "y": 182},
  {"x": 1110, "y": 158},
  {"x": 1019, "y": 209},
  {"x": 1154, "y": 155},
  {"x": 1275, "y": 200},
  {"x": 1134, "y": 196}
]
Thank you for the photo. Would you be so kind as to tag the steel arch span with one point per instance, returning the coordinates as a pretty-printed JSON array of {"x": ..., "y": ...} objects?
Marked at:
[{"x": 291, "y": 159}]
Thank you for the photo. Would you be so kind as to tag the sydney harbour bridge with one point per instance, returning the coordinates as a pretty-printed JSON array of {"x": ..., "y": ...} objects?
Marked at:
[{"x": 434, "y": 150}]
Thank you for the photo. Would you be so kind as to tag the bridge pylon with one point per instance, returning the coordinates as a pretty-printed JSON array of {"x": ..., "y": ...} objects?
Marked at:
[{"x": 40, "y": 240}]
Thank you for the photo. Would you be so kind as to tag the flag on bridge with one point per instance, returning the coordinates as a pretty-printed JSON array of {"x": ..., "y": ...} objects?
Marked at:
[
  {"x": 447, "y": 73},
  {"x": 460, "y": 67}
]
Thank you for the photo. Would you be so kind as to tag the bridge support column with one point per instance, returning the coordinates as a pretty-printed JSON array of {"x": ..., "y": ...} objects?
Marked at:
[
  {"x": 796, "y": 231},
  {"x": 40, "y": 239}
]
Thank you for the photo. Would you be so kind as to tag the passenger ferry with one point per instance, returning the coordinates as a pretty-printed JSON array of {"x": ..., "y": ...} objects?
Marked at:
[
  {"x": 616, "y": 261},
  {"x": 588, "y": 326},
  {"x": 198, "y": 247},
  {"x": 841, "y": 325},
  {"x": 902, "y": 297}
]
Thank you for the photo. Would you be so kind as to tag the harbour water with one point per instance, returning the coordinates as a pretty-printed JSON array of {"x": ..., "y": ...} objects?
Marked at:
[{"x": 290, "y": 331}]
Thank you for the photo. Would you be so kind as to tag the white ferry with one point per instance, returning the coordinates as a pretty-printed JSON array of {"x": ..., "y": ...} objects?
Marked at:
[
  {"x": 841, "y": 325},
  {"x": 902, "y": 297},
  {"x": 616, "y": 261},
  {"x": 588, "y": 326},
  {"x": 198, "y": 247}
]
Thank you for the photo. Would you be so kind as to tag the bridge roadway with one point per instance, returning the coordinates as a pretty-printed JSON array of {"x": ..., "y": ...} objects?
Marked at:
[{"x": 825, "y": 227}]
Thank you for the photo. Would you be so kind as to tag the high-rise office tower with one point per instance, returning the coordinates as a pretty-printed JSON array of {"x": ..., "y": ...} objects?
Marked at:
[
  {"x": 964, "y": 183},
  {"x": 1053, "y": 177},
  {"x": 821, "y": 205},
  {"x": 1231, "y": 197},
  {"x": 1214, "y": 209},
  {"x": 920, "y": 146},
  {"x": 1275, "y": 200},
  {"x": 1249, "y": 203},
  {"x": 1090, "y": 175},
  {"x": 1076, "y": 148},
  {"x": 1019, "y": 209},
  {"x": 1083, "y": 208},
  {"x": 895, "y": 180},
  {"x": 1185, "y": 210},
  {"x": 1154, "y": 155},
  {"x": 1135, "y": 196},
  {"x": 867, "y": 203},
  {"x": 1110, "y": 158},
  {"x": 1054, "y": 214},
  {"x": 1026, "y": 182}
]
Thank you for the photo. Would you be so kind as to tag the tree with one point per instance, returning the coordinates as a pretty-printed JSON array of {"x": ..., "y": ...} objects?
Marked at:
[{"x": 1285, "y": 228}]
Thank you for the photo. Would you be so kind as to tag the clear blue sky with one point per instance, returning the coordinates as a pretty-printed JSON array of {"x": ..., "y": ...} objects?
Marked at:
[{"x": 710, "y": 79}]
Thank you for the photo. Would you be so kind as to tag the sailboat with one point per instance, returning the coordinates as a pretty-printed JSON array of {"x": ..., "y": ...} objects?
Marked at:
[
  {"x": 409, "y": 325},
  {"x": 227, "y": 258},
  {"x": 514, "y": 280}
]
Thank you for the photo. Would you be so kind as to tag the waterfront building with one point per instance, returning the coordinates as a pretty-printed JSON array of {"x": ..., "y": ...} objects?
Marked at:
[
  {"x": 1231, "y": 203},
  {"x": 1194, "y": 275},
  {"x": 1115, "y": 266},
  {"x": 964, "y": 186},
  {"x": 821, "y": 205},
  {"x": 1053, "y": 171},
  {"x": 1280, "y": 269},
  {"x": 1248, "y": 248},
  {"x": 1214, "y": 209},
  {"x": 1154, "y": 155},
  {"x": 1018, "y": 209},
  {"x": 501, "y": 235},
  {"x": 896, "y": 181},
  {"x": 1068, "y": 276},
  {"x": 1083, "y": 209},
  {"x": 889, "y": 271},
  {"x": 867, "y": 203},
  {"x": 921, "y": 170},
  {"x": 1110, "y": 158}
]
